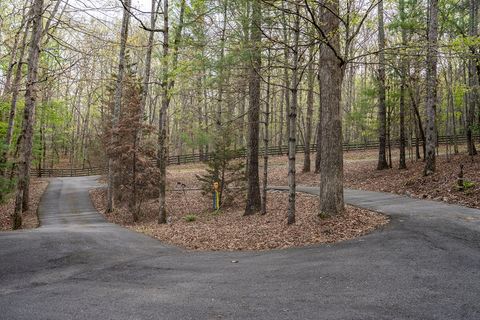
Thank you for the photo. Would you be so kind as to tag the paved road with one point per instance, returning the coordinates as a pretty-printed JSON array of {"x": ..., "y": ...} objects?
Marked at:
[{"x": 424, "y": 265}]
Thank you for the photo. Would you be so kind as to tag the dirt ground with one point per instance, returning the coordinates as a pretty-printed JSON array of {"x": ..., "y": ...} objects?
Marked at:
[
  {"x": 230, "y": 230},
  {"x": 362, "y": 174},
  {"x": 193, "y": 225},
  {"x": 29, "y": 217}
]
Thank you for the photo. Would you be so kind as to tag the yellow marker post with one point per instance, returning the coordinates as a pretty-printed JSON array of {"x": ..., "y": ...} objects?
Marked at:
[{"x": 216, "y": 195}]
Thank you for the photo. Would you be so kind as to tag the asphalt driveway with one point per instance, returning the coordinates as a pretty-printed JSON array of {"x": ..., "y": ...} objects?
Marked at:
[{"x": 424, "y": 265}]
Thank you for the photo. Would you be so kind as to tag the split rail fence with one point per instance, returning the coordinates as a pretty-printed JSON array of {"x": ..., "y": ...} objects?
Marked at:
[{"x": 240, "y": 153}]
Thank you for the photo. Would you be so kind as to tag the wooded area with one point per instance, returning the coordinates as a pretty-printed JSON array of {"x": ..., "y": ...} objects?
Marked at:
[{"x": 131, "y": 86}]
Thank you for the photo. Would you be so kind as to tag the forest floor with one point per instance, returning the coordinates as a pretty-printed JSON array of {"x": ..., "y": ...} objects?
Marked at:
[
  {"x": 230, "y": 230},
  {"x": 360, "y": 173},
  {"x": 29, "y": 217}
]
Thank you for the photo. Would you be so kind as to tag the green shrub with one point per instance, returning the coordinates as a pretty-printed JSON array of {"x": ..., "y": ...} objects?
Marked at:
[
  {"x": 190, "y": 218},
  {"x": 468, "y": 184}
]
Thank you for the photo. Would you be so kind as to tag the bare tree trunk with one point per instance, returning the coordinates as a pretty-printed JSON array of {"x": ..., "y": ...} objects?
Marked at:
[
  {"x": 253, "y": 188},
  {"x": 473, "y": 81},
  {"x": 141, "y": 112},
  {"x": 331, "y": 76},
  {"x": 382, "y": 109},
  {"x": 286, "y": 78},
  {"x": 431, "y": 99},
  {"x": 308, "y": 129},
  {"x": 13, "y": 55},
  {"x": 167, "y": 85},
  {"x": 292, "y": 118},
  {"x": 402, "y": 163},
  {"x": 318, "y": 149},
  {"x": 28, "y": 114},
  {"x": 15, "y": 90},
  {"x": 117, "y": 108},
  {"x": 266, "y": 140},
  {"x": 221, "y": 71}
]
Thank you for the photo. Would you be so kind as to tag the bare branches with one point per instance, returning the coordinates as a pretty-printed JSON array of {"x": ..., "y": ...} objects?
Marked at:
[{"x": 142, "y": 25}]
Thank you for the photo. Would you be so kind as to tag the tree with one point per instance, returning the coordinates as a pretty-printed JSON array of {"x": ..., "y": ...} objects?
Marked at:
[
  {"x": 292, "y": 117},
  {"x": 28, "y": 115},
  {"x": 253, "y": 185},
  {"x": 473, "y": 75},
  {"x": 310, "y": 102},
  {"x": 117, "y": 109},
  {"x": 431, "y": 96},
  {"x": 382, "y": 108},
  {"x": 403, "y": 74},
  {"x": 167, "y": 85},
  {"x": 331, "y": 75}
]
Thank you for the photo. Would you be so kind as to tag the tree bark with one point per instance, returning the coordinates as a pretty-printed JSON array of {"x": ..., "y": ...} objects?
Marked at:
[
  {"x": 167, "y": 85},
  {"x": 331, "y": 76},
  {"x": 382, "y": 109},
  {"x": 403, "y": 70},
  {"x": 23, "y": 168},
  {"x": 292, "y": 119},
  {"x": 15, "y": 90},
  {"x": 117, "y": 108},
  {"x": 266, "y": 140},
  {"x": 253, "y": 188},
  {"x": 431, "y": 97},
  {"x": 310, "y": 101},
  {"x": 473, "y": 81}
]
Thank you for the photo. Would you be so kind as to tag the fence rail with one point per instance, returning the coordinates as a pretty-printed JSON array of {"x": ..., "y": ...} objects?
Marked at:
[
  {"x": 240, "y": 153},
  {"x": 73, "y": 172}
]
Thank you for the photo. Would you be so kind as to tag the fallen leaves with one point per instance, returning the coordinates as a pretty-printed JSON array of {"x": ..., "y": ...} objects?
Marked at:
[
  {"x": 29, "y": 217},
  {"x": 230, "y": 230}
]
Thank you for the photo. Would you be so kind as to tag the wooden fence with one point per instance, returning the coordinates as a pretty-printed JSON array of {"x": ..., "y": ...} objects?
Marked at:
[
  {"x": 240, "y": 153},
  {"x": 73, "y": 172}
]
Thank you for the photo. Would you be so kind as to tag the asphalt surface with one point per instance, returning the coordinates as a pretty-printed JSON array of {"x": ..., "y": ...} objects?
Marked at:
[{"x": 424, "y": 265}]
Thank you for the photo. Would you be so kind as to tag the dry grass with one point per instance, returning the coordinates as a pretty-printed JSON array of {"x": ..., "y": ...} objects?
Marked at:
[
  {"x": 230, "y": 230},
  {"x": 29, "y": 217}
]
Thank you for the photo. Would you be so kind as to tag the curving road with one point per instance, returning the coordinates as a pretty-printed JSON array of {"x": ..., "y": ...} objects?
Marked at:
[{"x": 424, "y": 265}]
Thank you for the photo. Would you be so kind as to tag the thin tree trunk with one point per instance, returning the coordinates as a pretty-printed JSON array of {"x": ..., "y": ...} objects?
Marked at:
[
  {"x": 117, "y": 109},
  {"x": 402, "y": 163},
  {"x": 13, "y": 55},
  {"x": 382, "y": 109},
  {"x": 266, "y": 140},
  {"x": 292, "y": 118},
  {"x": 308, "y": 129},
  {"x": 15, "y": 90},
  {"x": 431, "y": 98},
  {"x": 167, "y": 85}
]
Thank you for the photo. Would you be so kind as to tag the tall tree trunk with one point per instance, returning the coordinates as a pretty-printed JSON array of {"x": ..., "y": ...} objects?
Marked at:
[
  {"x": 253, "y": 188},
  {"x": 403, "y": 70},
  {"x": 266, "y": 139},
  {"x": 308, "y": 129},
  {"x": 473, "y": 81},
  {"x": 143, "y": 103},
  {"x": 221, "y": 71},
  {"x": 13, "y": 54},
  {"x": 117, "y": 108},
  {"x": 382, "y": 109},
  {"x": 292, "y": 119},
  {"x": 168, "y": 84},
  {"x": 331, "y": 76},
  {"x": 28, "y": 114},
  {"x": 15, "y": 90},
  {"x": 318, "y": 149},
  {"x": 431, "y": 98}
]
